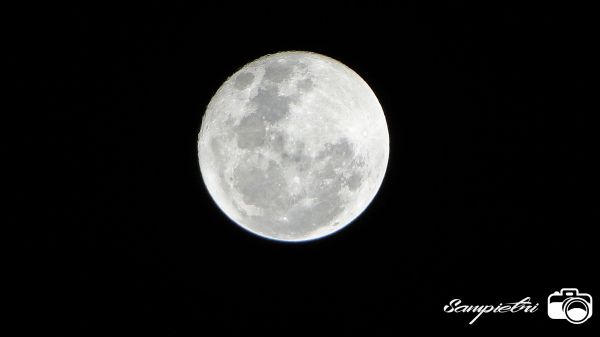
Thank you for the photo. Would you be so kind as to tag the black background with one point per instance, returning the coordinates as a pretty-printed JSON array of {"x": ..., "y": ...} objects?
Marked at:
[{"x": 487, "y": 195}]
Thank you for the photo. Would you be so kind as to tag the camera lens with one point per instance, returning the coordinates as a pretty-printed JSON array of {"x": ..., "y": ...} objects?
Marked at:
[{"x": 576, "y": 310}]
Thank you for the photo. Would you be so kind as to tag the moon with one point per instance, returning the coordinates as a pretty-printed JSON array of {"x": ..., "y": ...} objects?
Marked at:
[{"x": 293, "y": 146}]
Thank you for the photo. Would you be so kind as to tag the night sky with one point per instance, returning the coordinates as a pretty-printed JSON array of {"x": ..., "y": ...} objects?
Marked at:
[{"x": 487, "y": 196}]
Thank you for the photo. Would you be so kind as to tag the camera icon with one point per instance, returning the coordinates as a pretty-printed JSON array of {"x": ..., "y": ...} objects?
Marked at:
[{"x": 571, "y": 305}]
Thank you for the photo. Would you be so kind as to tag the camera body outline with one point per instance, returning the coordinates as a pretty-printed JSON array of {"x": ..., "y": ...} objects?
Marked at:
[{"x": 559, "y": 302}]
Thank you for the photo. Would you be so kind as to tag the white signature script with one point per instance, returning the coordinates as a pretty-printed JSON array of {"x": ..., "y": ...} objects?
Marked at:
[{"x": 524, "y": 305}]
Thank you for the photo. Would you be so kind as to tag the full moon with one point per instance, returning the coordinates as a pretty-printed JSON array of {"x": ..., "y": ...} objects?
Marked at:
[{"x": 293, "y": 146}]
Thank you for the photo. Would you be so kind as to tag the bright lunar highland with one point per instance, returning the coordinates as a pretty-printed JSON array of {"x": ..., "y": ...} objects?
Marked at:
[{"x": 293, "y": 146}]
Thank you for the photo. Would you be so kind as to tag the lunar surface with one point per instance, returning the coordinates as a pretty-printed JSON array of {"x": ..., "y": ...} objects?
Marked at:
[{"x": 293, "y": 146}]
